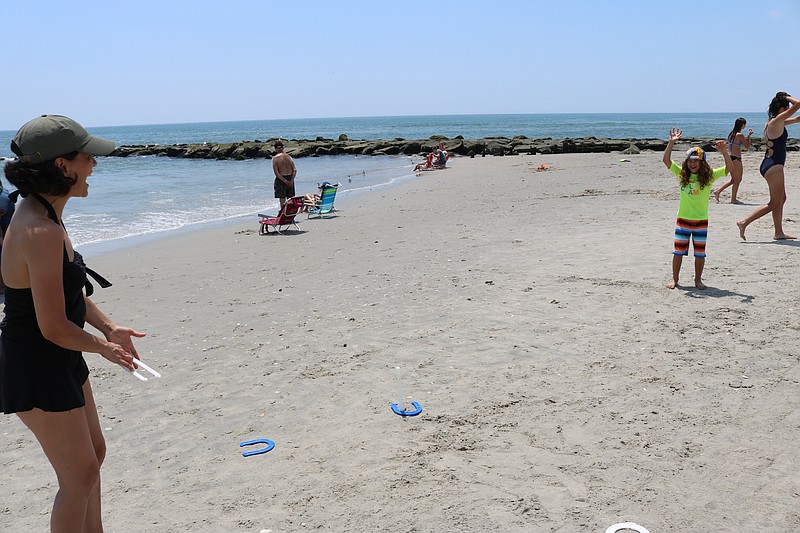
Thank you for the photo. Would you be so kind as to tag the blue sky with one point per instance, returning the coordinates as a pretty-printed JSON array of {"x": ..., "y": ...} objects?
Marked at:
[{"x": 110, "y": 62}]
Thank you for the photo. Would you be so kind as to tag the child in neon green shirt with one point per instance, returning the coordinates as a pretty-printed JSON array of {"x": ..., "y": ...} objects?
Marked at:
[{"x": 696, "y": 178}]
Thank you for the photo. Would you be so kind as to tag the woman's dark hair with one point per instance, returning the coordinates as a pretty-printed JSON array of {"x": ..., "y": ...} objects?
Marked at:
[
  {"x": 41, "y": 178},
  {"x": 703, "y": 174},
  {"x": 737, "y": 127},
  {"x": 778, "y": 103}
]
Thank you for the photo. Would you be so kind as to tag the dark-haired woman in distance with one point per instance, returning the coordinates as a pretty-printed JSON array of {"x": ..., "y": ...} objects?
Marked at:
[
  {"x": 44, "y": 378},
  {"x": 780, "y": 111},
  {"x": 736, "y": 141}
]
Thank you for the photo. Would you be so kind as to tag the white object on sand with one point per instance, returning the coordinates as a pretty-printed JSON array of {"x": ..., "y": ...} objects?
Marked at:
[
  {"x": 140, "y": 377},
  {"x": 626, "y": 525}
]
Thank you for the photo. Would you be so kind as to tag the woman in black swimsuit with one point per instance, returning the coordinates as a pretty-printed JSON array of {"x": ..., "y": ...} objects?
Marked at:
[
  {"x": 782, "y": 107},
  {"x": 43, "y": 376}
]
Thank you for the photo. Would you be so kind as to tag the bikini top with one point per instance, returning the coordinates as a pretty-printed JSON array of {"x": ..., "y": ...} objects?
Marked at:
[{"x": 732, "y": 142}]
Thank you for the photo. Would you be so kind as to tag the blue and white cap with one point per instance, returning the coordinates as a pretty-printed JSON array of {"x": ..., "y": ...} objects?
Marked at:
[{"x": 696, "y": 153}]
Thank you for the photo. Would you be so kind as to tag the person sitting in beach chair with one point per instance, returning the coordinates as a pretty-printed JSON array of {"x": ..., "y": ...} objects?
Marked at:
[
  {"x": 440, "y": 156},
  {"x": 285, "y": 217},
  {"x": 322, "y": 204},
  {"x": 436, "y": 159},
  {"x": 427, "y": 165}
]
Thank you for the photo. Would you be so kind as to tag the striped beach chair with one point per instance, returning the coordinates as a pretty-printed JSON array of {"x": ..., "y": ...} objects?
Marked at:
[{"x": 324, "y": 206}]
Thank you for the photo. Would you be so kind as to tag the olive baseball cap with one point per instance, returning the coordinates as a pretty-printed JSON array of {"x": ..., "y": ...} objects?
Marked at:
[{"x": 49, "y": 136}]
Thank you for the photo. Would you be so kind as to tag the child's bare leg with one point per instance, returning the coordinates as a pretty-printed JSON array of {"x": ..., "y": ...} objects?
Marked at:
[
  {"x": 699, "y": 263},
  {"x": 676, "y": 270}
]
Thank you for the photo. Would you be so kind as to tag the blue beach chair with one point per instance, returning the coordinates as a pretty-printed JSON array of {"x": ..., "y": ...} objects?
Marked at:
[{"x": 324, "y": 205}]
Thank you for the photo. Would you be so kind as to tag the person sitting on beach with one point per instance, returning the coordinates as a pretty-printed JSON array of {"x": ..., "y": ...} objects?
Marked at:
[
  {"x": 313, "y": 200},
  {"x": 440, "y": 156},
  {"x": 736, "y": 142},
  {"x": 436, "y": 159},
  {"x": 426, "y": 165},
  {"x": 695, "y": 177}
]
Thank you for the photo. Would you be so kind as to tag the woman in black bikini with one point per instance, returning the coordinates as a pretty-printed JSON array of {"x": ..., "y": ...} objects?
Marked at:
[
  {"x": 782, "y": 107},
  {"x": 736, "y": 141},
  {"x": 43, "y": 375}
]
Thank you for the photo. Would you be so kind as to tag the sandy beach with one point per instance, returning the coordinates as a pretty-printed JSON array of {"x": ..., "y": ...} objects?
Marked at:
[{"x": 563, "y": 387}]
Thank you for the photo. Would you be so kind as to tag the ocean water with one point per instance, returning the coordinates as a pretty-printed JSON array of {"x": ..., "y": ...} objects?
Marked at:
[{"x": 150, "y": 196}]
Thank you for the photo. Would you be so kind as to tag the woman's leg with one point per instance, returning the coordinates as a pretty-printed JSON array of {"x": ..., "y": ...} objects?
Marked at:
[
  {"x": 777, "y": 195},
  {"x": 724, "y": 186},
  {"x": 94, "y": 518},
  {"x": 736, "y": 179},
  {"x": 67, "y": 442}
]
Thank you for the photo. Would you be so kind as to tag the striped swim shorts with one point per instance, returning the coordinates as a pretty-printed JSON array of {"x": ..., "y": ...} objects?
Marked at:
[{"x": 694, "y": 230}]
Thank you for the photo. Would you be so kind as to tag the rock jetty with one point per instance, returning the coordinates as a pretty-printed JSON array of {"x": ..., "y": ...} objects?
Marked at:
[{"x": 495, "y": 146}]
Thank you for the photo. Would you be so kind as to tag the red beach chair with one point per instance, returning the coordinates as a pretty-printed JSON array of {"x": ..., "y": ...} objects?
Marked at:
[{"x": 285, "y": 217}]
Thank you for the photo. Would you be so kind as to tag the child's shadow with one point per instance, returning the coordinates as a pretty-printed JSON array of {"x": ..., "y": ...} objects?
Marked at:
[{"x": 713, "y": 292}]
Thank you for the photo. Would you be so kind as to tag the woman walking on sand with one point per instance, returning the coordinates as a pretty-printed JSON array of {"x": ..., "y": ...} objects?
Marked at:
[
  {"x": 43, "y": 375},
  {"x": 736, "y": 141},
  {"x": 782, "y": 107}
]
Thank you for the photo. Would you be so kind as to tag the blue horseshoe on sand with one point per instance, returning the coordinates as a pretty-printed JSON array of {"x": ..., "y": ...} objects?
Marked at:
[
  {"x": 269, "y": 445},
  {"x": 417, "y": 409}
]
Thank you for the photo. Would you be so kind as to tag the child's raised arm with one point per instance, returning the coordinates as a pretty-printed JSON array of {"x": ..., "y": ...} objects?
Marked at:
[
  {"x": 674, "y": 135},
  {"x": 722, "y": 147}
]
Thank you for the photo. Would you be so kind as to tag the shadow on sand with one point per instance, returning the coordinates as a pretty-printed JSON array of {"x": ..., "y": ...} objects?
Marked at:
[
  {"x": 713, "y": 292},
  {"x": 783, "y": 242}
]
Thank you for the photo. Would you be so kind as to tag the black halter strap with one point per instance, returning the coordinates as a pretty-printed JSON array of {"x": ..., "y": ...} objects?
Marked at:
[{"x": 51, "y": 213}]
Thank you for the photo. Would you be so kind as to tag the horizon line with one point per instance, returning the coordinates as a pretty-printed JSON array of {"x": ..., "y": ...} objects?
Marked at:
[{"x": 415, "y": 116}]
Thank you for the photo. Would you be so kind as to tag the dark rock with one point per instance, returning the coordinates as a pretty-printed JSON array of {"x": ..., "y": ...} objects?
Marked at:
[
  {"x": 498, "y": 146},
  {"x": 412, "y": 148}
]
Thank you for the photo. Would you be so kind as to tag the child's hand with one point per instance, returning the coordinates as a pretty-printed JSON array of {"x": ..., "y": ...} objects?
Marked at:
[
  {"x": 721, "y": 146},
  {"x": 675, "y": 134}
]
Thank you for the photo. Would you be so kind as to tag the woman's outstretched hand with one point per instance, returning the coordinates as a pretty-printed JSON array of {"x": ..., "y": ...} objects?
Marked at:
[
  {"x": 675, "y": 134},
  {"x": 122, "y": 337}
]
